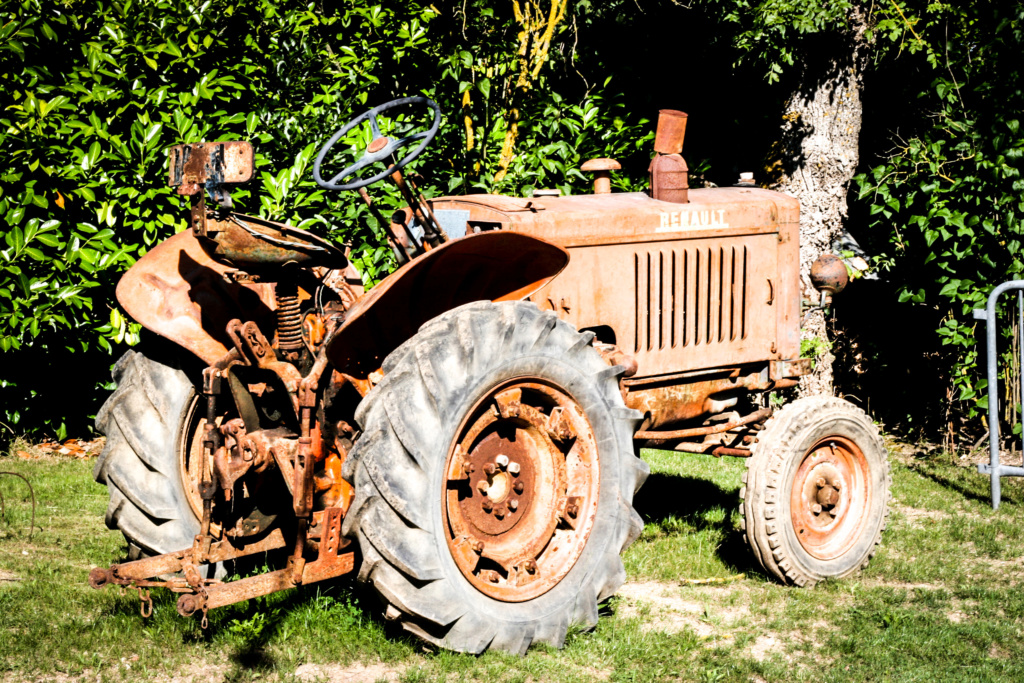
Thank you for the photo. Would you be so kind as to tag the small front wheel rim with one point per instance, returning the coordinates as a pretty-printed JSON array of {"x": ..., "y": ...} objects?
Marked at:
[
  {"x": 521, "y": 490},
  {"x": 830, "y": 498}
]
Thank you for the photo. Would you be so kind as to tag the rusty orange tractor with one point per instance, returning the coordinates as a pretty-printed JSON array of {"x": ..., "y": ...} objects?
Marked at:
[{"x": 468, "y": 430}]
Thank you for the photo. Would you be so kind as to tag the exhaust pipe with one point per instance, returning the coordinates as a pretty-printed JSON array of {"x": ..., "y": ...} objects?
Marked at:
[{"x": 669, "y": 174}]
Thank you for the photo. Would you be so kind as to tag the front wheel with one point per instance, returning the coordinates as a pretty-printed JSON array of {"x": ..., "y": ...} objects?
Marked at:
[
  {"x": 815, "y": 498},
  {"x": 494, "y": 480}
]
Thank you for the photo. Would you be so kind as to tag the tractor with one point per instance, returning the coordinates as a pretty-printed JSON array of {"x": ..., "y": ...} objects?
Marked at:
[{"x": 465, "y": 435}]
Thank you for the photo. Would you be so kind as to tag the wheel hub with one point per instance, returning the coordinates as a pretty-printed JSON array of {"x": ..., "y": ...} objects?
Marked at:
[
  {"x": 828, "y": 501},
  {"x": 521, "y": 490},
  {"x": 502, "y": 479}
]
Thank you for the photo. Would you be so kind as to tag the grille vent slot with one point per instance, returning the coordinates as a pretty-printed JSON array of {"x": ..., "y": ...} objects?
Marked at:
[{"x": 690, "y": 297}]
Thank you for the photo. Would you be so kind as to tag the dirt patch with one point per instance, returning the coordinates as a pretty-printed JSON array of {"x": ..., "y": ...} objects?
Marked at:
[
  {"x": 919, "y": 516},
  {"x": 7, "y": 578},
  {"x": 202, "y": 671},
  {"x": 996, "y": 652},
  {"x": 906, "y": 586},
  {"x": 663, "y": 607},
  {"x": 765, "y": 647},
  {"x": 353, "y": 673}
]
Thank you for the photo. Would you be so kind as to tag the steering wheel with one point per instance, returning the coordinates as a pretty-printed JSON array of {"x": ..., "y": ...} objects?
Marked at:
[{"x": 380, "y": 148}]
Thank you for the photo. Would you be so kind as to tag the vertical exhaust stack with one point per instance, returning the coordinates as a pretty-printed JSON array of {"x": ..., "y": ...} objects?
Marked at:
[{"x": 669, "y": 175}]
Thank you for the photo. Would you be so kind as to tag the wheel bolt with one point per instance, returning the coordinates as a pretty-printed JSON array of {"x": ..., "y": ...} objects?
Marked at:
[
  {"x": 816, "y": 509},
  {"x": 487, "y": 505},
  {"x": 482, "y": 486},
  {"x": 501, "y": 460},
  {"x": 518, "y": 487},
  {"x": 821, "y": 482},
  {"x": 489, "y": 575},
  {"x": 513, "y": 468},
  {"x": 468, "y": 468},
  {"x": 513, "y": 504},
  {"x": 832, "y": 512},
  {"x": 489, "y": 468},
  {"x": 500, "y": 511},
  {"x": 572, "y": 509},
  {"x": 835, "y": 484},
  {"x": 478, "y": 546},
  {"x": 530, "y": 566}
]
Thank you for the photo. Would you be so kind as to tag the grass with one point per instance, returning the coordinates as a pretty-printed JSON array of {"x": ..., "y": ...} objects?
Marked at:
[{"x": 942, "y": 600}]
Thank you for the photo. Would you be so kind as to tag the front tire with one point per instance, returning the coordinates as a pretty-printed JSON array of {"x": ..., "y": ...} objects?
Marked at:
[
  {"x": 482, "y": 381},
  {"x": 815, "y": 498}
]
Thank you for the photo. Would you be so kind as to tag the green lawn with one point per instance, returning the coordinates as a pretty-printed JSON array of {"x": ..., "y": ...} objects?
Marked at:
[{"x": 942, "y": 600}]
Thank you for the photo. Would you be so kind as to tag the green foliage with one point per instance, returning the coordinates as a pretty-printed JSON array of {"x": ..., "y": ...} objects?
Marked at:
[
  {"x": 95, "y": 93},
  {"x": 814, "y": 348},
  {"x": 948, "y": 198},
  {"x": 769, "y": 32}
]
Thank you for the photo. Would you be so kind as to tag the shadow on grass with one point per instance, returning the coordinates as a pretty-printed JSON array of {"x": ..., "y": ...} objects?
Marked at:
[
  {"x": 967, "y": 482},
  {"x": 668, "y": 496}
]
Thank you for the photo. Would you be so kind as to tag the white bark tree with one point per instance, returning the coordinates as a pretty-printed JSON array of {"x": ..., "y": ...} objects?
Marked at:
[{"x": 816, "y": 157}]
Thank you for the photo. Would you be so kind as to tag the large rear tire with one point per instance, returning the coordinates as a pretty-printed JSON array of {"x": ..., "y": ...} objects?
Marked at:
[
  {"x": 815, "y": 498},
  {"x": 494, "y": 480},
  {"x": 151, "y": 426}
]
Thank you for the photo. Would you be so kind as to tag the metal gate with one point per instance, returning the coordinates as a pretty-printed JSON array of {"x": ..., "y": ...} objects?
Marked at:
[{"x": 995, "y": 469}]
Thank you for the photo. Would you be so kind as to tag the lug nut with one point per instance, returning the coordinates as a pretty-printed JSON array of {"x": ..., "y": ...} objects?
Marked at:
[
  {"x": 572, "y": 509},
  {"x": 835, "y": 484},
  {"x": 530, "y": 566},
  {"x": 816, "y": 509},
  {"x": 820, "y": 482},
  {"x": 468, "y": 468},
  {"x": 487, "y": 505},
  {"x": 513, "y": 468},
  {"x": 518, "y": 487},
  {"x": 489, "y": 468},
  {"x": 492, "y": 576},
  {"x": 478, "y": 546},
  {"x": 500, "y": 511},
  {"x": 832, "y": 512},
  {"x": 513, "y": 505},
  {"x": 482, "y": 486},
  {"x": 501, "y": 460}
]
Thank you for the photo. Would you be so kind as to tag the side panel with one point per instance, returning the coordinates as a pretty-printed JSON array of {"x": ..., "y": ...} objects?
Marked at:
[{"x": 676, "y": 305}]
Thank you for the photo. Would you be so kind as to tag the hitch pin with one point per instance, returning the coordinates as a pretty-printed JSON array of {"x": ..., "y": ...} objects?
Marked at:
[{"x": 145, "y": 602}]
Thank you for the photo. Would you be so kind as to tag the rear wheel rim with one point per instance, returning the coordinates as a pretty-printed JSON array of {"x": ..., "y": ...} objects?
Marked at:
[
  {"x": 521, "y": 490},
  {"x": 830, "y": 498},
  {"x": 190, "y": 457}
]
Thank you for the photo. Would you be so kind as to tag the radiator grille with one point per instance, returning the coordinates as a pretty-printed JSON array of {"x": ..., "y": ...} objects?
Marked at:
[{"x": 690, "y": 297}]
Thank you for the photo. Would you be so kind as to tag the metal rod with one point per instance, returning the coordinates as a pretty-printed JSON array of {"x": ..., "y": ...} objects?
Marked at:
[
  {"x": 757, "y": 416},
  {"x": 400, "y": 253},
  {"x": 718, "y": 451},
  {"x": 993, "y": 469},
  {"x": 1020, "y": 365}
]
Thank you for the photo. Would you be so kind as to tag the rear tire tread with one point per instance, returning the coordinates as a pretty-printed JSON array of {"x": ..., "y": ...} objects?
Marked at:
[
  {"x": 142, "y": 421},
  {"x": 390, "y": 471}
]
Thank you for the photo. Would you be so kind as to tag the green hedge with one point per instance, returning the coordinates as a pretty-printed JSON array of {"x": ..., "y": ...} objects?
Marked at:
[{"x": 96, "y": 91}]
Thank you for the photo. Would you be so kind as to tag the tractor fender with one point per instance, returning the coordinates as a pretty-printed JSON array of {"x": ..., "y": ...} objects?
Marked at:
[
  {"x": 179, "y": 292},
  {"x": 489, "y": 266}
]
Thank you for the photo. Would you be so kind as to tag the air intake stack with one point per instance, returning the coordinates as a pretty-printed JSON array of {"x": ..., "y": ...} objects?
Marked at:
[{"x": 669, "y": 175}]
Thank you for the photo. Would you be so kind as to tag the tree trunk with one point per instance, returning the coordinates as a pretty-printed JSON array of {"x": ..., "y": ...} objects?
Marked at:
[{"x": 815, "y": 161}]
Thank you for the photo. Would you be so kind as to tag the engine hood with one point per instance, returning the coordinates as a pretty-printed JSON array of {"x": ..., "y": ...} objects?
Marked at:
[{"x": 579, "y": 220}]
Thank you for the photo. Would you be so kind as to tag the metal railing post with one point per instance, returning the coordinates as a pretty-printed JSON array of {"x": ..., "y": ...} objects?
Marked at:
[{"x": 994, "y": 469}]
